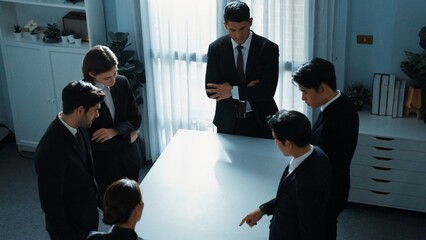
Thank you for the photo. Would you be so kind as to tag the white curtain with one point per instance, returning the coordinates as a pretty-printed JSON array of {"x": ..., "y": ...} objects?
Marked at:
[{"x": 176, "y": 35}]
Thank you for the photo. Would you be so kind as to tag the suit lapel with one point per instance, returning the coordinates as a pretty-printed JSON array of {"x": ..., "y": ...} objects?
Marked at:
[
  {"x": 115, "y": 98},
  {"x": 319, "y": 121},
  {"x": 251, "y": 59},
  {"x": 228, "y": 53},
  {"x": 288, "y": 178},
  {"x": 104, "y": 111}
]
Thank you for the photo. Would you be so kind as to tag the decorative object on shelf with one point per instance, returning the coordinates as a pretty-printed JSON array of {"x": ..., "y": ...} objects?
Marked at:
[
  {"x": 127, "y": 65},
  {"x": 413, "y": 102},
  {"x": 64, "y": 36},
  {"x": 33, "y": 36},
  {"x": 359, "y": 95},
  {"x": 70, "y": 37},
  {"x": 31, "y": 26},
  {"x": 17, "y": 31},
  {"x": 415, "y": 68},
  {"x": 52, "y": 34},
  {"x": 77, "y": 39},
  {"x": 74, "y": 1}
]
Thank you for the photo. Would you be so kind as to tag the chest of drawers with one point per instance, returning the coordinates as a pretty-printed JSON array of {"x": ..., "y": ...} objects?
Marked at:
[{"x": 389, "y": 164}]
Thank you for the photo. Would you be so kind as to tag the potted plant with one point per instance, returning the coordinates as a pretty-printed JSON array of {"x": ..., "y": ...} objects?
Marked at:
[
  {"x": 52, "y": 34},
  {"x": 415, "y": 68},
  {"x": 33, "y": 36},
  {"x": 64, "y": 36},
  {"x": 359, "y": 95},
  {"x": 77, "y": 39},
  {"x": 70, "y": 37},
  {"x": 127, "y": 64},
  {"x": 17, "y": 31}
]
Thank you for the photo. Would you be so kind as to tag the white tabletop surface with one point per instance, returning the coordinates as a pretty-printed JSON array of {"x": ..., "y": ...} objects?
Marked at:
[{"x": 204, "y": 183}]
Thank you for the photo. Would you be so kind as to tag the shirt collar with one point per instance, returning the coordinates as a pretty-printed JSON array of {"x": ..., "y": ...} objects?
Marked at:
[
  {"x": 100, "y": 85},
  {"x": 332, "y": 100},
  {"x": 246, "y": 44},
  {"x": 71, "y": 129},
  {"x": 295, "y": 162}
]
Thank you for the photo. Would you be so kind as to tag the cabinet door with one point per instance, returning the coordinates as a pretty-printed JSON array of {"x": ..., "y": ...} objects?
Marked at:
[
  {"x": 29, "y": 92},
  {"x": 66, "y": 67}
]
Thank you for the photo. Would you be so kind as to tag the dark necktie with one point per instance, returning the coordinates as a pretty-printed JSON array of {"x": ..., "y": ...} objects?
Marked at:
[
  {"x": 240, "y": 66},
  {"x": 80, "y": 141}
]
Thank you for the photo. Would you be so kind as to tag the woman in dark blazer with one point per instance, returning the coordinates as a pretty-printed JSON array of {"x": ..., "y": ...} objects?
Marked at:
[
  {"x": 123, "y": 208},
  {"x": 114, "y": 135}
]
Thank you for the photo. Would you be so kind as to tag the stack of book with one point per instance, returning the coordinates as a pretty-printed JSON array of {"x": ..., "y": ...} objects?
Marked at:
[{"x": 388, "y": 95}]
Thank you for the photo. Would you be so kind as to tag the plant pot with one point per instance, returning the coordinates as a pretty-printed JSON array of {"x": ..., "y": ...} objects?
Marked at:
[
  {"x": 77, "y": 41},
  {"x": 71, "y": 38},
  {"x": 33, "y": 37},
  {"x": 64, "y": 39},
  {"x": 18, "y": 35}
]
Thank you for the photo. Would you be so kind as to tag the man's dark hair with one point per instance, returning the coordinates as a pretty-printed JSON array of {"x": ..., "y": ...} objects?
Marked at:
[
  {"x": 291, "y": 125},
  {"x": 80, "y": 93},
  {"x": 315, "y": 72},
  {"x": 236, "y": 11}
]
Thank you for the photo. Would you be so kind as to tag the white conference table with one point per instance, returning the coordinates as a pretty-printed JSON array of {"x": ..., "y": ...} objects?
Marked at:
[{"x": 204, "y": 183}]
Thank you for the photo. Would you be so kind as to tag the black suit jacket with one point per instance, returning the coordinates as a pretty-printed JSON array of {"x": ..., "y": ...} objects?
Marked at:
[
  {"x": 262, "y": 64},
  {"x": 336, "y": 132},
  {"x": 115, "y": 233},
  {"x": 117, "y": 151},
  {"x": 298, "y": 209},
  {"x": 66, "y": 184}
]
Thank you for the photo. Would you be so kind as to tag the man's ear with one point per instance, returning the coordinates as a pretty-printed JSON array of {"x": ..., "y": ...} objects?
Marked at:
[
  {"x": 250, "y": 21},
  {"x": 79, "y": 110},
  {"x": 323, "y": 88},
  {"x": 92, "y": 74}
]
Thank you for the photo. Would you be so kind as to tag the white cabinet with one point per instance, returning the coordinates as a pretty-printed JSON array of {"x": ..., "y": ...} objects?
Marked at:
[
  {"x": 36, "y": 75},
  {"x": 66, "y": 67},
  {"x": 14, "y": 12},
  {"x": 29, "y": 92},
  {"x": 389, "y": 164},
  {"x": 36, "y": 72}
]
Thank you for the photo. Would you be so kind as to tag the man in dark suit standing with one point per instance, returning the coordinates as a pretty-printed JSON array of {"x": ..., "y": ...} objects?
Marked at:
[
  {"x": 242, "y": 76},
  {"x": 335, "y": 131},
  {"x": 68, "y": 192},
  {"x": 299, "y": 206}
]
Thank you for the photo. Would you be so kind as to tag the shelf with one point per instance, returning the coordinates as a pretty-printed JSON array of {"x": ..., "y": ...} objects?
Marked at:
[
  {"x": 50, "y": 3},
  {"x": 385, "y": 126},
  {"x": 27, "y": 40}
]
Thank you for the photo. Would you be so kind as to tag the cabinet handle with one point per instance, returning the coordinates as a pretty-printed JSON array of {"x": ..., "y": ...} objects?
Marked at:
[
  {"x": 384, "y": 139},
  {"x": 378, "y": 192},
  {"x": 383, "y": 148},
  {"x": 382, "y": 168},
  {"x": 380, "y": 180},
  {"x": 382, "y": 158}
]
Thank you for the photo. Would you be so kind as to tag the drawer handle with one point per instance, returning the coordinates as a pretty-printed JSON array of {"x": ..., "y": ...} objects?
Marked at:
[
  {"x": 383, "y": 168},
  {"x": 378, "y": 192},
  {"x": 380, "y": 180},
  {"x": 384, "y": 139},
  {"x": 382, "y": 158},
  {"x": 383, "y": 148}
]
